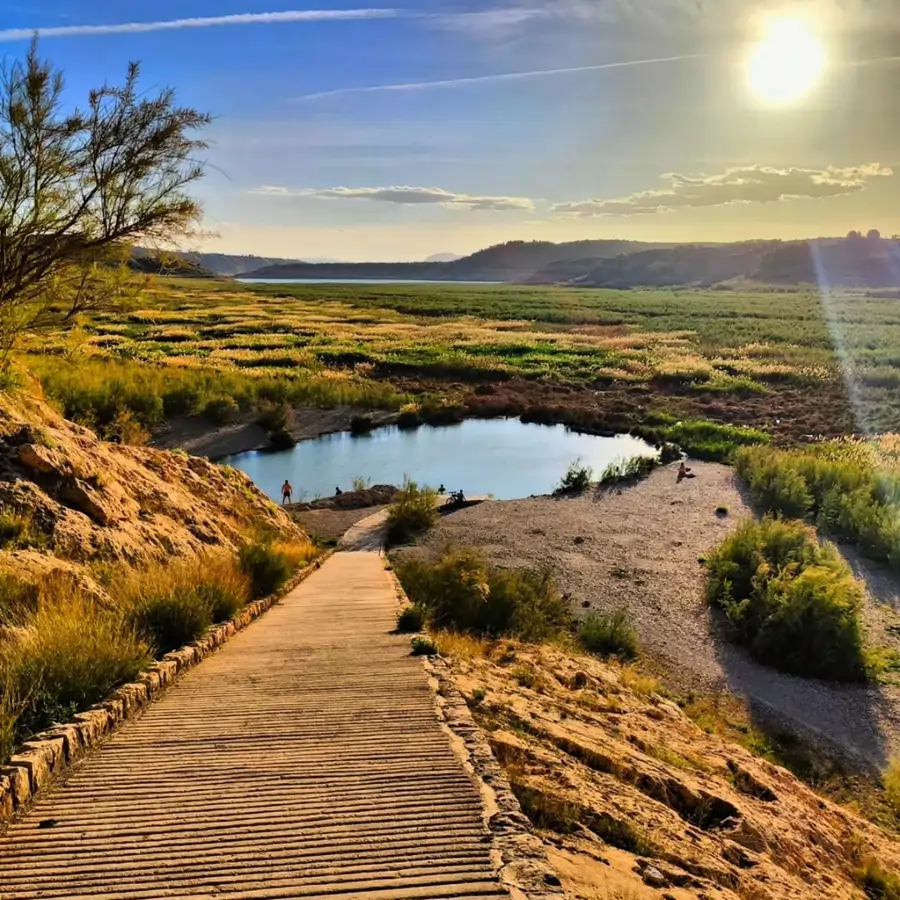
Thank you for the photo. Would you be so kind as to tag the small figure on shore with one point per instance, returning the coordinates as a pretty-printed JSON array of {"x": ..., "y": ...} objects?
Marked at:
[
  {"x": 683, "y": 472},
  {"x": 286, "y": 491},
  {"x": 338, "y": 492},
  {"x": 442, "y": 490}
]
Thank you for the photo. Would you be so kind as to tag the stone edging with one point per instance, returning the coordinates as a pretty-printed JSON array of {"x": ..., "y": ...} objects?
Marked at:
[
  {"x": 520, "y": 856},
  {"x": 47, "y": 756}
]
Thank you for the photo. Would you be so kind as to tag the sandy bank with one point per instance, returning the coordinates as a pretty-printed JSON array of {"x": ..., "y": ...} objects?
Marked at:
[
  {"x": 640, "y": 548},
  {"x": 201, "y": 437}
]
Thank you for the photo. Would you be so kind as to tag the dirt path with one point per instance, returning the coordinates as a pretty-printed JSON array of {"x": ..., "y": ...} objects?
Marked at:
[
  {"x": 303, "y": 760},
  {"x": 640, "y": 548}
]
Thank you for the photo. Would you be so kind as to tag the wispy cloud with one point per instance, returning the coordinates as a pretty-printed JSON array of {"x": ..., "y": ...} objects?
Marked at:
[
  {"x": 270, "y": 18},
  {"x": 490, "y": 79},
  {"x": 406, "y": 196},
  {"x": 747, "y": 184}
]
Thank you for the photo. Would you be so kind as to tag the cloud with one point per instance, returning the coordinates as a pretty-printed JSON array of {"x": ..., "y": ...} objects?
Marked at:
[
  {"x": 747, "y": 184},
  {"x": 270, "y": 18},
  {"x": 407, "y": 196},
  {"x": 491, "y": 79}
]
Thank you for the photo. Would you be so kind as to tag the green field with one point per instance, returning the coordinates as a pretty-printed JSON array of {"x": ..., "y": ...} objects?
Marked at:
[{"x": 755, "y": 356}]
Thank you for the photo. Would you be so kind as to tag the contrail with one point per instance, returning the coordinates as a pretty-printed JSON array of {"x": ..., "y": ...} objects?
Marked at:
[
  {"x": 271, "y": 18},
  {"x": 487, "y": 79}
]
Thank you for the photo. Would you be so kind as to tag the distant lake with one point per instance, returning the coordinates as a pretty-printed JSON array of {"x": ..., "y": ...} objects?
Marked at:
[
  {"x": 358, "y": 281},
  {"x": 503, "y": 457}
]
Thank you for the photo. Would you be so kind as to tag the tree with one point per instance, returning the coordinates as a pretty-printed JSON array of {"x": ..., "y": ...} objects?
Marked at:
[
  {"x": 78, "y": 188},
  {"x": 874, "y": 235}
]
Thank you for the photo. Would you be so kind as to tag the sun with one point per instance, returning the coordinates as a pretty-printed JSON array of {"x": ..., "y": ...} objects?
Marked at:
[{"x": 787, "y": 63}]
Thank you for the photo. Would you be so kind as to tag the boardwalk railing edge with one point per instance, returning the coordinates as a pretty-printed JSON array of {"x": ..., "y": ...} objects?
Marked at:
[
  {"x": 521, "y": 859},
  {"x": 47, "y": 756}
]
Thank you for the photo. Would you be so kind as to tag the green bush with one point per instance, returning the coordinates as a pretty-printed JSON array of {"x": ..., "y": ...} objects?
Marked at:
[
  {"x": 412, "y": 512},
  {"x": 837, "y": 485},
  {"x": 628, "y": 469},
  {"x": 222, "y": 410},
  {"x": 411, "y": 619},
  {"x": 459, "y": 591},
  {"x": 172, "y": 619},
  {"x": 794, "y": 604},
  {"x": 422, "y": 646},
  {"x": 266, "y": 566},
  {"x": 174, "y": 604},
  {"x": 877, "y": 882},
  {"x": 577, "y": 479},
  {"x": 609, "y": 634}
]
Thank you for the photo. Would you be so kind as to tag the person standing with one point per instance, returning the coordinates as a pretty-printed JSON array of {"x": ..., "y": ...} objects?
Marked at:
[{"x": 286, "y": 491}]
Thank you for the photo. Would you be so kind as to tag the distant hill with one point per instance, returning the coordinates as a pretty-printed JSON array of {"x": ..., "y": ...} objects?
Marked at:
[
  {"x": 855, "y": 261},
  {"x": 443, "y": 257},
  {"x": 209, "y": 263},
  {"x": 512, "y": 261},
  {"x": 174, "y": 264}
]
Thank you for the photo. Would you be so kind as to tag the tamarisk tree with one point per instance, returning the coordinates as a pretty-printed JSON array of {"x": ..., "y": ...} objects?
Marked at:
[{"x": 79, "y": 187}]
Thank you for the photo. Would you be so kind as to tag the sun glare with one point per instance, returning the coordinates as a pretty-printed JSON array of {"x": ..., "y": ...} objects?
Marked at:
[{"x": 787, "y": 63}]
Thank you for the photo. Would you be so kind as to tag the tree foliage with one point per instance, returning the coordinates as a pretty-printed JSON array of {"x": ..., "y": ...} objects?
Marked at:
[{"x": 79, "y": 186}]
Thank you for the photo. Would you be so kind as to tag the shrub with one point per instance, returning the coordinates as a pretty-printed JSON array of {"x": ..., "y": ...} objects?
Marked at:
[
  {"x": 628, "y": 469},
  {"x": 611, "y": 634},
  {"x": 422, "y": 646},
  {"x": 409, "y": 419},
  {"x": 71, "y": 654},
  {"x": 412, "y": 512},
  {"x": 459, "y": 591},
  {"x": 173, "y": 605},
  {"x": 361, "y": 425},
  {"x": 222, "y": 410},
  {"x": 794, "y": 604},
  {"x": 877, "y": 882},
  {"x": 18, "y": 599},
  {"x": 266, "y": 566},
  {"x": 273, "y": 416},
  {"x": 839, "y": 485},
  {"x": 411, "y": 619},
  {"x": 577, "y": 479},
  {"x": 891, "y": 780},
  {"x": 18, "y": 531},
  {"x": 173, "y": 617}
]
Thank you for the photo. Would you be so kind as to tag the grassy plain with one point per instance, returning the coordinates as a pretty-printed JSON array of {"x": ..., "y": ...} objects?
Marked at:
[{"x": 792, "y": 362}]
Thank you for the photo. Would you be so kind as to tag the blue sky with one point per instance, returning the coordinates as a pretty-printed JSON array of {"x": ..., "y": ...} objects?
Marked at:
[{"x": 331, "y": 138}]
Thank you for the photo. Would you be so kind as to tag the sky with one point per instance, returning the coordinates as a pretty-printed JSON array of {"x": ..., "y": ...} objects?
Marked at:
[{"x": 396, "y": 131}]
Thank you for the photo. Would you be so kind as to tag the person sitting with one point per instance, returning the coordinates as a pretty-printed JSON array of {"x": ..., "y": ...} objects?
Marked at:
[
  {"x": 338, "y": 491},
  {"x": 684, "y": 472}
]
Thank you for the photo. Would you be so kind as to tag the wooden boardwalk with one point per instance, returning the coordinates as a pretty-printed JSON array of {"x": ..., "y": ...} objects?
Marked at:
[{"x": 303, "y": 760}]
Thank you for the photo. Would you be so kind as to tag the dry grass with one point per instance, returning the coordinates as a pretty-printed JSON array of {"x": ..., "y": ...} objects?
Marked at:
[{"x": 68, "y": 653}]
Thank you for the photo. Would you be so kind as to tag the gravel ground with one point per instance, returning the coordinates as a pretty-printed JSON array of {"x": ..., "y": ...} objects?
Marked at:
[{"x": 640, "y": 547}]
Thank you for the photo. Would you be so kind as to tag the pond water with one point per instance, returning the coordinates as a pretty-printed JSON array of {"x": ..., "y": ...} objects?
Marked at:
[{"x": 503, "y": 457}]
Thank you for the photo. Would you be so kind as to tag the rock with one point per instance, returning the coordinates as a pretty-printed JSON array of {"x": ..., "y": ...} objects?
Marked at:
[
  {"x": 43, "y": 460},
  {"x": 652, "y": 877},
  {"x": 579, "y": 541}
]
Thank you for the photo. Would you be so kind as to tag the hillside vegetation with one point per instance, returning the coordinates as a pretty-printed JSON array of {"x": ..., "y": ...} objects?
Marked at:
[{"x": 111, "y": 555}]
